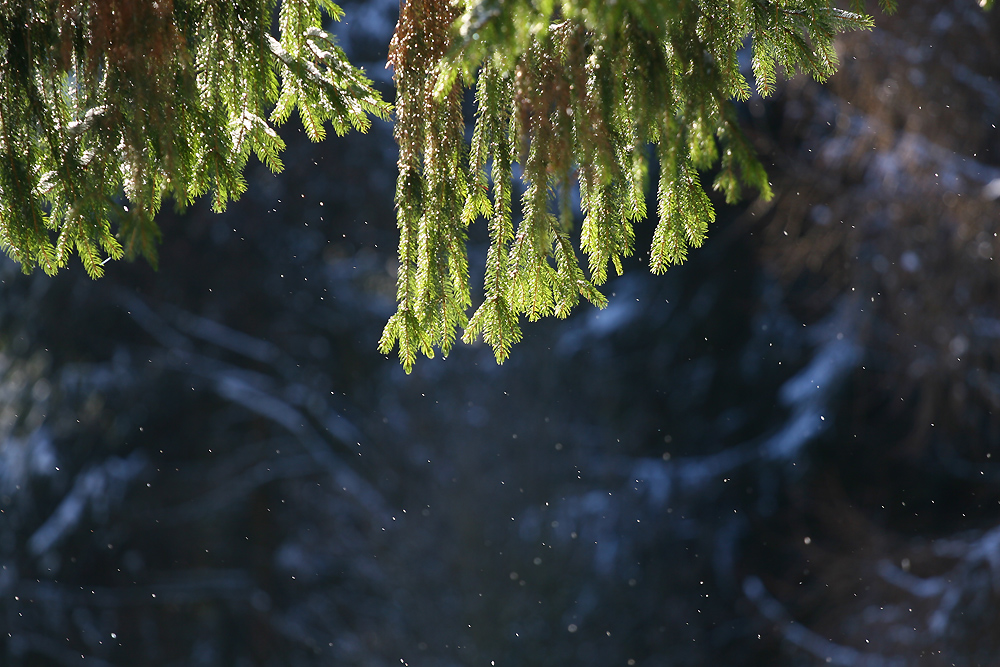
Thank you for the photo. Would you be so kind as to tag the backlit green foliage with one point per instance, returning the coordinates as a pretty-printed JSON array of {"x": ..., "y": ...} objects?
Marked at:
[
  {"x": 107, "y": 106},
  {"x": 574, "y": 91}
]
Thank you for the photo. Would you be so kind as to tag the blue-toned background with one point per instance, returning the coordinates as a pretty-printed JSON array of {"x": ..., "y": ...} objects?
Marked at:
[{"x": 782, "y": 453}]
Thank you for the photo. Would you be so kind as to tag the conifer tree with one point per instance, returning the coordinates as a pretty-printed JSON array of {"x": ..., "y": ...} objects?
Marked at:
[
  {"x": 573, "y": 91},
  {"x": 108, "y": 106}
]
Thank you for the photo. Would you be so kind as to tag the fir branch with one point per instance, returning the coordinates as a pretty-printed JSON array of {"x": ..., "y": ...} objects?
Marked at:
[
  {"x": 575, "y": 91},
  {"x": 101, "y": 118},
  {"x": 136, "y": 101}
]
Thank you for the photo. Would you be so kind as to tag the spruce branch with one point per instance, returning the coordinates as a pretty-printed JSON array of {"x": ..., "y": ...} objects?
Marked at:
[
  {"x": 575, "y": 91},
  {"x": 101, "y": 118}
]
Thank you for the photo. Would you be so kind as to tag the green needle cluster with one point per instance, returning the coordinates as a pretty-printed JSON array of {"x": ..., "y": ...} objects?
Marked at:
[
  {"x": 574, "y": 92},
  {"x": 108, "y": 106}
]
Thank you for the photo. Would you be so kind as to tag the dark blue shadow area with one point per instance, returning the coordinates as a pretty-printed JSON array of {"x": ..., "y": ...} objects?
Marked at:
[{"x": 781, "y": 453}]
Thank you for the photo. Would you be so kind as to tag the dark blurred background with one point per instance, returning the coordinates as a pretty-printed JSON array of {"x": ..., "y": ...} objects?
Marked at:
[{"x": 781, "y": 453}]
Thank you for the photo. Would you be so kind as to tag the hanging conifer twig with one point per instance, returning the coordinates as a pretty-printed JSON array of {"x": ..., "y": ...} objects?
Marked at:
[
  {"x": 108, "y": 106},
  {"x": 574, "y": 90},
  {"x": 105, "y": 98},
  {"x": 433, "y": 275}
]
